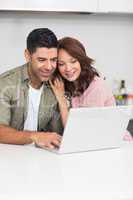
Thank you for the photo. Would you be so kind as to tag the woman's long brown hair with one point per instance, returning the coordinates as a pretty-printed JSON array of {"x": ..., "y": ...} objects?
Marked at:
[{"x": 76, "y": 50}]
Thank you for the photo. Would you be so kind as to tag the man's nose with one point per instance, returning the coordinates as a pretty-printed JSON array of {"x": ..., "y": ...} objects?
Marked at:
[{"x": 48, "y": 65}]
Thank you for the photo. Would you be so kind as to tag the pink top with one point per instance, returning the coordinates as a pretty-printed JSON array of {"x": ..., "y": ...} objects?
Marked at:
[{"x": 97, "y": 94}]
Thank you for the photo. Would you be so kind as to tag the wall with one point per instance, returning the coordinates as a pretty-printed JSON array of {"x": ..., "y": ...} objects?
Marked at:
[{"x": 108, "y": 39}]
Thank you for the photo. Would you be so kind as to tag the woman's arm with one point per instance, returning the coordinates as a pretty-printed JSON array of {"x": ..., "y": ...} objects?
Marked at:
[{"x": 58, "y": 89}]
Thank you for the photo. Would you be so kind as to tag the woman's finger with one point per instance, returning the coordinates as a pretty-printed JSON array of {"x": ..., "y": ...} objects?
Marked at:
[{"x": 51, "y": 84}]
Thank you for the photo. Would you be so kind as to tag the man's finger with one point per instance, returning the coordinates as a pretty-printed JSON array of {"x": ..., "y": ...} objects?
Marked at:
[
  {"x": 49, "y": 146},
  {"x": 59, "y": 139},
  {"x": 56, "y": 143},
  {"x": 57, "y": 136}
]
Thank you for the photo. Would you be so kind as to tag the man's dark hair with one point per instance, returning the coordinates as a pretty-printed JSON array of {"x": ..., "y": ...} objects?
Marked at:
[{"x": 41, "y": 37}]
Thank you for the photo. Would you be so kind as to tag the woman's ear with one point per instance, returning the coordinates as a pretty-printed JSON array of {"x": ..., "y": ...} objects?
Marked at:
[{"x": 27, "y": 55}]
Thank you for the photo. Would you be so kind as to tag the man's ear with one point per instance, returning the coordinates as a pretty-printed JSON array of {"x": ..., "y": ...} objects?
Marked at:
[{"x": 27, "y": 55}]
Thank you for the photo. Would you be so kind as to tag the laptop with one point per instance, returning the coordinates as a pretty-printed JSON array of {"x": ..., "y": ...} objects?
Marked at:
[{"x": 96, "y": 128}]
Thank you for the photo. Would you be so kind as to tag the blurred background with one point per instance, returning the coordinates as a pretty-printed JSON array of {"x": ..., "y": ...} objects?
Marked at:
[
  {"x": 104, "y": 27},
  {"x": 108, "y": 39}
]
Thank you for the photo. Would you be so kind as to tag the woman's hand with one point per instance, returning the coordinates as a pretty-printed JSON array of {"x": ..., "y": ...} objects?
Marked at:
[{"x": 58, "y": 89}]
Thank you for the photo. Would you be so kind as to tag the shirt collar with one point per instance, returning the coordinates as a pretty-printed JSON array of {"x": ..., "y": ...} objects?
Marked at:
[{"x": 25, "y": 76}]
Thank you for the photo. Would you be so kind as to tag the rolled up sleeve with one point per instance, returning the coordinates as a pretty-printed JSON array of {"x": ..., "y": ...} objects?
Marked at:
[{"x": 5, "y": 107}]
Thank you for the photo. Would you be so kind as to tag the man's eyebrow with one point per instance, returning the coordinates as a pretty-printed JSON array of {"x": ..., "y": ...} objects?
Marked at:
[
  {"x": 54, "y": 58},
  {"x": 42, "y": 58}
]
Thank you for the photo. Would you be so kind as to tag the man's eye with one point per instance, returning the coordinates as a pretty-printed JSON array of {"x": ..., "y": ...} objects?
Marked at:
[
  {"x": 54, "y": 60},
  {"x": 41, "y": 60}
]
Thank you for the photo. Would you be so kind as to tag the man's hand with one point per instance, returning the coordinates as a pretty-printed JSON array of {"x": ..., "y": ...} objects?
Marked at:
[{"x": 48, "y": 140}]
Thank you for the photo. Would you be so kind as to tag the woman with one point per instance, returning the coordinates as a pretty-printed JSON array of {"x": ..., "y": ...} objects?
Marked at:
[{"x": 76, "y": 77}]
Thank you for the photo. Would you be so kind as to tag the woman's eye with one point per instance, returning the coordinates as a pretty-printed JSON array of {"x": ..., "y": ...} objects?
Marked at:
[
  {"x": 60, "y": 64},
  {"x": 74, "y": 61}
]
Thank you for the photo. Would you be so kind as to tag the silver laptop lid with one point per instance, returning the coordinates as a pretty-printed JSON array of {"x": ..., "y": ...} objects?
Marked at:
[{"x": 95, "y": 128}]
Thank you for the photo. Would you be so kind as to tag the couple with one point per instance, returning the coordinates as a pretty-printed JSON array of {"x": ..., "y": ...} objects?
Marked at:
[{"x": 34, "y": 97}]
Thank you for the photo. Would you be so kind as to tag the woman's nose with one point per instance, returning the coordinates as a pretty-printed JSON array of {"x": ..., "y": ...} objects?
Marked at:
[{"x": 68, "y": 68}]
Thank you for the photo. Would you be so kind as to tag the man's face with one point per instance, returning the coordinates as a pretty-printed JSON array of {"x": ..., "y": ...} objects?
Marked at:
[{"x": 43, "y": 62}]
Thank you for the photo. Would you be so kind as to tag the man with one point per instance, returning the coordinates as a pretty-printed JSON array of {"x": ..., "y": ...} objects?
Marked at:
[{"x": 28, "y": 108}]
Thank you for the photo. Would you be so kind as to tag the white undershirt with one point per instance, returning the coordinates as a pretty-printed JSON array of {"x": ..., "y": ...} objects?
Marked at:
[{"x": 34, "y": 96}]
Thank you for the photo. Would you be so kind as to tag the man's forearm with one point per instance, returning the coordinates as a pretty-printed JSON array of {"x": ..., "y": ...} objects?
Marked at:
[{"x": 10, "y": 135}]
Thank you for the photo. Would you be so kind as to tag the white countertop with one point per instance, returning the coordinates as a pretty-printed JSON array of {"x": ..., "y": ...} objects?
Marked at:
[{"x": 28, "y": 173}]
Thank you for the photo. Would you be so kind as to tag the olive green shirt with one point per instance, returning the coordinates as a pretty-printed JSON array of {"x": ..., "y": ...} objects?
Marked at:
[{"x": 14, "y": 102}]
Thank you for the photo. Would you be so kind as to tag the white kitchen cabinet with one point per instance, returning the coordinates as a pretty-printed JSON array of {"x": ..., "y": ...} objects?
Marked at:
[
  {"x": 51, "y": 5},
  {"x": 123, "y": 6},
  {"x": 12, "y": 5}
]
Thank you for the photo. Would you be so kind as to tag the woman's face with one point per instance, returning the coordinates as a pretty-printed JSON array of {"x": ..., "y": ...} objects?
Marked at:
[{"x": 69, "y": 67}]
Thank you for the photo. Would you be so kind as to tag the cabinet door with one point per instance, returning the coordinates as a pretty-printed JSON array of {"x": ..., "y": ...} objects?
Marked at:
[
  {"x": 116, "y": 6},
  {"x": 50, "y": 5},
  {"x": 12, "y": 4}
]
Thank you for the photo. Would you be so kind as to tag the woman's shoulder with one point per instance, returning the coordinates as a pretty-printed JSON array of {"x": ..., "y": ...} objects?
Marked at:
[
  {"x": 99, "y": 87},
  {"x": 97, "y": 94},
  {"x": 97, "y": 82}
]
